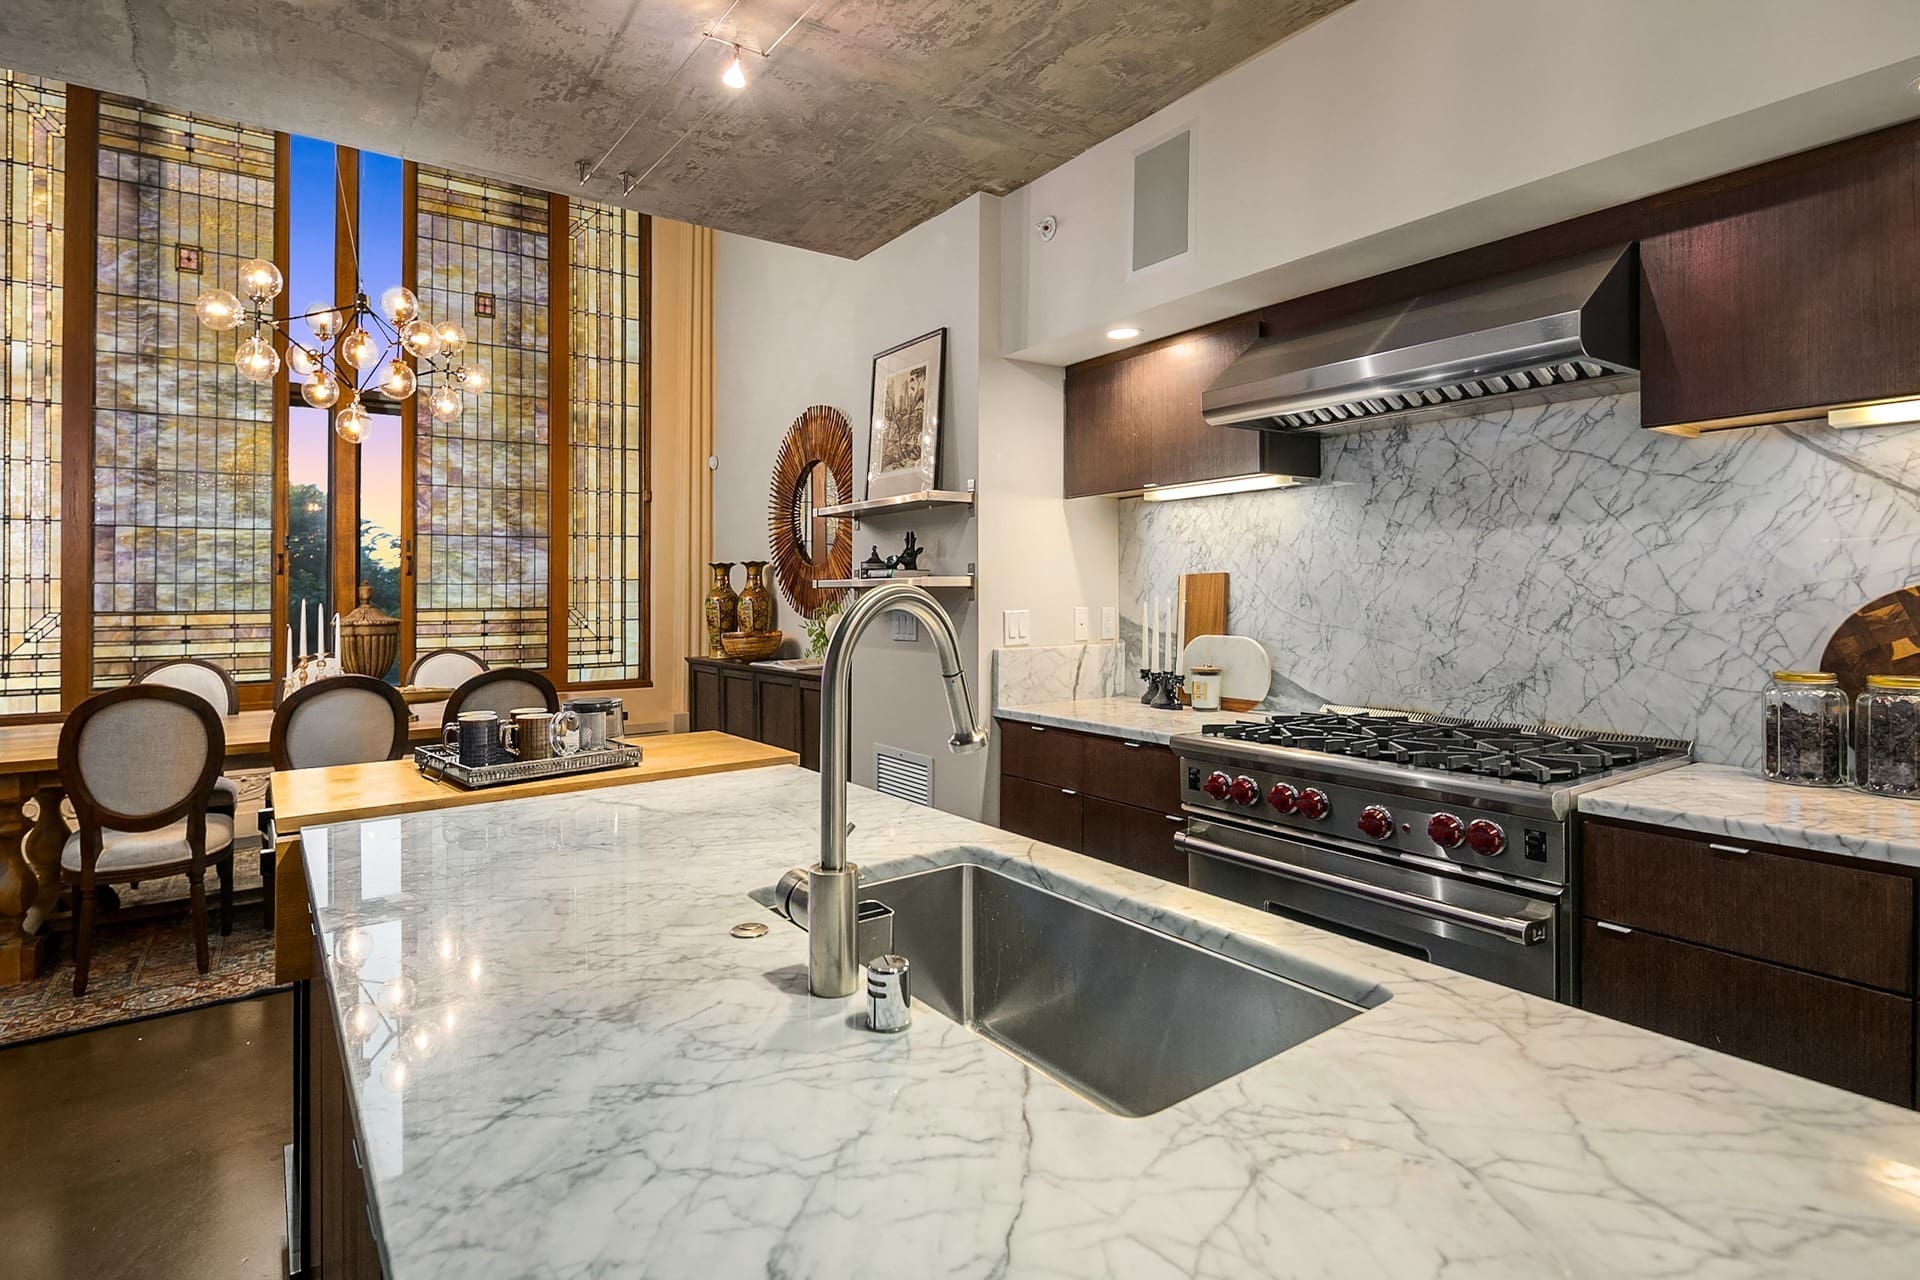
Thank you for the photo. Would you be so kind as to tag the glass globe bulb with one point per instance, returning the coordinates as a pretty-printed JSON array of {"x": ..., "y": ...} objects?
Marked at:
[
  {"x": 218, "y": 309},
  {"x": 445, "y": 404},
  {"x": 260, "y": 279},
  {"x": 256, "y": 360},
  {"x": 323, "y": 320},
  {"x": 398, "y": 381},
  {"x": 419, "y": 337},
  {"x": 321, "y": 390},
  {"x": 452, "y": 337},
  {"x": 399, "y": 305},
  {"x": 353, "y": 423},
  {"x": 474, "y": 379},
  {"x": 396, "y": 1073},
  {"x": 302, "y": 360},
  {"x": 359, "y": 349}
]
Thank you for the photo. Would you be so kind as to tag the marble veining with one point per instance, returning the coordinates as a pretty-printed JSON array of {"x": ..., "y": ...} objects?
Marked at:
[
  {"x": 1049, "y": 673},
  {"x": 1553, "y": 562},
  {"x": 1720, "y": 800},
  {"x": 1121, "y": 717},
  {"x": 562, "y": 1065}
]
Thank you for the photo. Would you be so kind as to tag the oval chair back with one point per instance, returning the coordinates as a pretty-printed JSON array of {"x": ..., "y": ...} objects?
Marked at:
[
  {"x": 196, "y": 675},
  {"x": 445, "y": 668},
  {"x": 502, "y": 690},
  {"x": 340, "y": 720}
]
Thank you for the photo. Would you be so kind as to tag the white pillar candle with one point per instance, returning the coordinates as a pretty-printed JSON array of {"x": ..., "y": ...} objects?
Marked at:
[
  {"x": 336, "y": 635},
  {"x": 1180, "y": 636},
  {"x": 1146, "y": 637},
  {"x": 303, "y": 628},
  {"x": 289, "y": 648}
]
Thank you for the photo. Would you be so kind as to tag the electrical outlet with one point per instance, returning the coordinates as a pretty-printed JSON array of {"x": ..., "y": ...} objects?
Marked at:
[
  {"x": 1080, "y": 622},
  {"x": 1109, "y": 622},
  {"x": 905, "y": 626},
  {"x": 1015, "y": 628}
]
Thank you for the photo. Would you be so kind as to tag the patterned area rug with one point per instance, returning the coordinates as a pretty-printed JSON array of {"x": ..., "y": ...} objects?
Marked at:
[{"x": 140, "y": 969}]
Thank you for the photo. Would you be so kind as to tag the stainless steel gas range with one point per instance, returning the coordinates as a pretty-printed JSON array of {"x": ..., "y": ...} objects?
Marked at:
[{"x": 1450, "y": 840}]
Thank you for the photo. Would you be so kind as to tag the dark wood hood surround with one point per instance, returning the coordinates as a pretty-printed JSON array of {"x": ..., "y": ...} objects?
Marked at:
[{"x": 1770, "y": 294}]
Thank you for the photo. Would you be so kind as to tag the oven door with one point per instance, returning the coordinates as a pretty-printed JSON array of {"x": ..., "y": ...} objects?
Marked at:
[{"x": 1502, "y": 935}]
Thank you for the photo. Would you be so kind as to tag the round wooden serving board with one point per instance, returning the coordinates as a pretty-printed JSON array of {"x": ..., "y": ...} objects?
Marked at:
[{"x": 1881, "y": 638}]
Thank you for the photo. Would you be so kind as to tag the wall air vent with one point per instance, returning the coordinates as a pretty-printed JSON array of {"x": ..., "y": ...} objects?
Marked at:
[
  {"x": 1161, "y": 200},
  {"x": 906, "y": 775}
]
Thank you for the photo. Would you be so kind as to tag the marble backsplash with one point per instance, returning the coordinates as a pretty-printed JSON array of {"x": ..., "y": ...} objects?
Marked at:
[
  {"x": 1553, "y": 562},
  {"x": 1055, "y": 673}
]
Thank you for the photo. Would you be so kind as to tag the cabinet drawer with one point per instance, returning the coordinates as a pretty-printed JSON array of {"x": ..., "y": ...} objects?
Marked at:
[
  {"x": 1131, "y": 837},
  {"x": 1839, "y": 921},
  {"x": 1039, "y": 812},
  {"x": 1825, "y": 1030},
  {"x": 1039, "y": 753},
  {"x": 1142, "y": 774}
]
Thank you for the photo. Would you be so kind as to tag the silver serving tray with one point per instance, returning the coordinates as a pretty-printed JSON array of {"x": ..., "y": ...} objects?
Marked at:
[{"x": 438, "y": 762}]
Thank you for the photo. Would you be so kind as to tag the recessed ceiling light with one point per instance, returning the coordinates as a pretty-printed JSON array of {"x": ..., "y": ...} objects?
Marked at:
[
  {"x": 1914, "y": 87},
  {"x": 1122, "y": 333}
]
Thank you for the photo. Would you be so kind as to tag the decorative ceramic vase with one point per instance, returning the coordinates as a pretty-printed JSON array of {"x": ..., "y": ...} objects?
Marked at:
[
  {"x": 723, "y": 607},
  {"x": 756, "y": 599},
  {"x": 369, "y": 639}
]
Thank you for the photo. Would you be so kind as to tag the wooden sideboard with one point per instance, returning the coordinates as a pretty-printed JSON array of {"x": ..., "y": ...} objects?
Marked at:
[
  {"x": 779, "y": 708},
  {"x": 1116, "y": 799},
  {"x": 1781, "y": 956}
]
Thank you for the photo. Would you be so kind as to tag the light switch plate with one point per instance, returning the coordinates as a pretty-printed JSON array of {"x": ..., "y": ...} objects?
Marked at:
[
  {"x": 1016, "y": 627},
  {"x": 1109, "y": 622},
  {"x": 905, "y": 626},
  {"x": 1080, "y": 622}
]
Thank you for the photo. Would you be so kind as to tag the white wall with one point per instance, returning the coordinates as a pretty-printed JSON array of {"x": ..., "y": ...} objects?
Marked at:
[{"x": 1397, "y": 130}]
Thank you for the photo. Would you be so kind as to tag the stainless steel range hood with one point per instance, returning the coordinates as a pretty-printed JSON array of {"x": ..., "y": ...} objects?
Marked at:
[{"x": 1548, "y": 333}]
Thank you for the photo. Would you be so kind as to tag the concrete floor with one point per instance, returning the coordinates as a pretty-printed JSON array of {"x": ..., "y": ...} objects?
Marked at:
[{"x": 150, "y": 1149}]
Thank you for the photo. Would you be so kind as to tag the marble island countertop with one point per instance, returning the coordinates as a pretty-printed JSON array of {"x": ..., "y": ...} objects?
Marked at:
[
  {"x": 1128, "y": 717},
  {"x": 562, "y": 1064},
  {"x": 1720, "y": 800}
]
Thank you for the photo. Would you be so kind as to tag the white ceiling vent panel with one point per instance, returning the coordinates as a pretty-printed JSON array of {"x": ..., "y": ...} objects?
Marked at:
[
  {"x": 905, "y": 774},
  {"x": 1161, "y": 200}
]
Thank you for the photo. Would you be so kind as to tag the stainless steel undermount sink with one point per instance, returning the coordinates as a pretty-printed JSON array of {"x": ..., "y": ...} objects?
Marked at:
[{"x": 1132, "y": 1019}]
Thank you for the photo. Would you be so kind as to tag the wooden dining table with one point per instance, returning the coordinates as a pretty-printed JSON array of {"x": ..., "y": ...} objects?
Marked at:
[{"x": 30, "y": 845}]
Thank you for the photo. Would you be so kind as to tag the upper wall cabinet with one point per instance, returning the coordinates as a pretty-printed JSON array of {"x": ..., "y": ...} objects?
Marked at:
[
  {"x": 1134, "y": 422},
  {"x": 1784, "y": 297}
]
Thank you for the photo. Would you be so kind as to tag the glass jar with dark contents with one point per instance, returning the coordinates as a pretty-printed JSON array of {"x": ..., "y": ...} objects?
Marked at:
[
  {"x": 1888, "y": 714},
  {"x": 1804, "y": 719}
]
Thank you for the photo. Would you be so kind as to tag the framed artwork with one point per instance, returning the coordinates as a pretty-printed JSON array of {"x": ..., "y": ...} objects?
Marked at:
[{"x": 904, "y": 454}]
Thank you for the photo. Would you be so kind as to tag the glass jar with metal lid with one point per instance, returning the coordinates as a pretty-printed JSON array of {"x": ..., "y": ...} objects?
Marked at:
[
  {"x": 1888, "y": 715},
  {"x": 1804, "y": 718}
]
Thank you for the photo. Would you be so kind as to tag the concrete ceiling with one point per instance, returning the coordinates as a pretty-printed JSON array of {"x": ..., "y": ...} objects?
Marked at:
[{"x": 870, "y": 117}]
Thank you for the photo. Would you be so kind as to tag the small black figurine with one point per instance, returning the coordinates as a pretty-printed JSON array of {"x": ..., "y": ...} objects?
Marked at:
[
  {"x": 873, "y": 566},
  {"x": 910, "y": 557}
]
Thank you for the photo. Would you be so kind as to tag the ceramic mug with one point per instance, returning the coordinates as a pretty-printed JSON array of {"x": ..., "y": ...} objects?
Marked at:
[
  {"x": 475, "y": 736},
  {"x": 534, "y": 734}
]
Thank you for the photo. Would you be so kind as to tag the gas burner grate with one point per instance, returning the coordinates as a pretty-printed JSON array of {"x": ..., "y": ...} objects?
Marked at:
[{"x": 1539, "y": 753}]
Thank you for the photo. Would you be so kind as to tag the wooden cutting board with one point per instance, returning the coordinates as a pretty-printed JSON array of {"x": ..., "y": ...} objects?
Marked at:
[{"x": 1881, "y": 638}]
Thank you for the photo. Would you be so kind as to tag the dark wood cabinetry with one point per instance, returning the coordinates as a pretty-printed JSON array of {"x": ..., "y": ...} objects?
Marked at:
[
  {"x": 1770, "y": 954},
  {"x": 340, "y": 1242},
  {"x": 1115, "y": 799},
  {"x": 779, "y": 708},
  {"x": 1133, "y": 421},
  {"x": 1785, "y": 296}
]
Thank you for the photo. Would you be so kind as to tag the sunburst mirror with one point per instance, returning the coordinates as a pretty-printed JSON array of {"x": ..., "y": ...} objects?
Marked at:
[{"x": 813, "y": 470}]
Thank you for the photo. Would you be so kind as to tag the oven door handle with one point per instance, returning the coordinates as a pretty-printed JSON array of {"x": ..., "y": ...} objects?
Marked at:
[{"x": 1516, "y": 929}]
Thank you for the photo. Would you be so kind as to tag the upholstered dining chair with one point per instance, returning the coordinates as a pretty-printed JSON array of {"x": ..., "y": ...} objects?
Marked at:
[
  {"x": 501, "y": 690},
  {"x": 444, "y": 668},
  {"x": 138, "y": 764},
  {"x": 210, "y": 681}
]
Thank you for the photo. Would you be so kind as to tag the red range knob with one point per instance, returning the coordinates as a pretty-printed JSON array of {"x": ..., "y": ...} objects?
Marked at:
[
  {"x": 1281, "y": 797},
  {"x": 1485, "y": 838},
  {"x": 1244, "y": 790},
  {"x": 1216, "y": 785},
  {"x": 1446, "y": 830},
  {"x": 1376, "y": 822},
  {"x": 1312, "y": 803}
]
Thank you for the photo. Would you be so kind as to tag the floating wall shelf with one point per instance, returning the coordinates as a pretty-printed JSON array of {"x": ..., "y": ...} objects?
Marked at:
[
  {"x": 904, "y": 502},
  {"x": 963, "y": 582}
]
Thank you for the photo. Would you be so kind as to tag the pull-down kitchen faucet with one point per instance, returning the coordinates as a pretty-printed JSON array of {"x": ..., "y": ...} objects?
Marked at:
[{"x": 833, "y": 885}]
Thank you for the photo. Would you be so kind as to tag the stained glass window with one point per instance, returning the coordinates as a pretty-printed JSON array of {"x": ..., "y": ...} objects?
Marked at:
[
  {"x": 183, "y": 447},
  {"x": 32, "y": 194},
  {"x": 480, "y": 480},
  {"x": 607, "y": 445}
]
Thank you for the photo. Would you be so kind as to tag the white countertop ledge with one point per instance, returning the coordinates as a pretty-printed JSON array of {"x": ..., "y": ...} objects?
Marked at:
[
  {"x": 598, "y": 1080},
  {"x": 1121, "y": 717},
  {"x": 1719, "y": 800}
]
